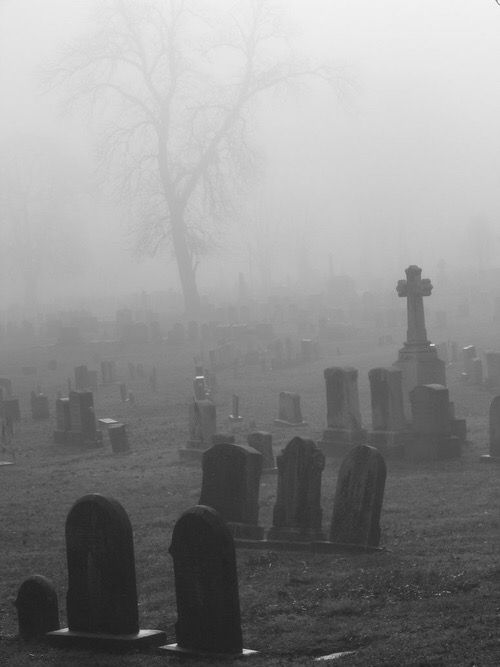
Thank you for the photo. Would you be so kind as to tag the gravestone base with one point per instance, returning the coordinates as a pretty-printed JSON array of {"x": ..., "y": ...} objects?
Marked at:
[
  {"x": 89, "y": 640},
  {"x": 293, "y": 535},
  {"x": 181, "y": 651},
  {"x": 316, "y": 546},
  {"x": 338, "y": 441},
  {"x": 433, "y": 448},
  {"x": 245, "y": 531},
  {"x": 282, "y": 422},
  {"x": 389, "y": 443}
]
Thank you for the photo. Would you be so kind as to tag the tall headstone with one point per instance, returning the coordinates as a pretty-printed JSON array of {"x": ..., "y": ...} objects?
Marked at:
[
  {"x": 342, "y": 411},
  {"x": 492, "y": 368},
  {"x": 390, "y": 429},
  {"x": 63, "y": 421},
  {"x": 262, "y": 441},
  {"x": 83, "y": 421},
  {"x": 82, "y": 381},
  {"x": 468, "y": 354},
  {"x": 297, "y": 513},
  {"x": 39, "y": 406},
  {"x": 358, "y": 498},
  {"x": 476, "y": 373},
  {"x": 494, "y": 431},
  {"x": 417, "y": 359},
  {"x": 101, "y": 601},
  {"x": 118, "y": 438},
  {"x": 206, "y": 587},
  {"x": 202, "y": 426},
  {"x": 37, "y": 608},
  {"x": 235, "y": 414},
  {"x": 432, "y": 425},
  {"x": 289, "y": 412},
  {"x": 231, "y": 480}
]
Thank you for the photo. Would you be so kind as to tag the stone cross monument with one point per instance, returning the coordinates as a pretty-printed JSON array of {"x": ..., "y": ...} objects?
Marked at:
[{"x": 418, "y": 358}]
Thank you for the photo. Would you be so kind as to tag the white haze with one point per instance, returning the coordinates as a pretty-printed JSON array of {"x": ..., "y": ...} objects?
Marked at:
[{"x": 402, "y": 167}]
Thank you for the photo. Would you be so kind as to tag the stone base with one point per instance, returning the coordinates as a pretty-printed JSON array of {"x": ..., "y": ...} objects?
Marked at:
[
  {"x": 338, "y": 441},
  {"x": 144, "y": 638},
  {"x": 433, "y": 448},
  {"x": 389, "y": 443},
  {"x": 419, "y": 365},
  {"x": 181, "y": 651},
  {"x": 245, "y": 531},
  {"x": 320, "y": 546},
  {"x": 282, "y": 422},
  {"x": 293, "y": 535},
  {"x": 488, "y": 458}
]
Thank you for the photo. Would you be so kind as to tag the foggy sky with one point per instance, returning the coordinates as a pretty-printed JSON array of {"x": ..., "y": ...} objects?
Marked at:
[{"x": 397, "y": 170}]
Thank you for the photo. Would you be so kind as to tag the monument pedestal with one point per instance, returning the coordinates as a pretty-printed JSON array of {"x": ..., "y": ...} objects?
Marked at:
[
  {"x": 287, "y": 534},
  {"x": 144, "y": 638},
  {"x": 338, "y": 441},
  {"x": 419, "y": 365}
]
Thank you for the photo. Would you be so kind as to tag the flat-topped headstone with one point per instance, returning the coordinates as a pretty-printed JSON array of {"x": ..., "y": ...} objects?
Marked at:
[
  {"x": 262, "y": 441},
  {"x": 39, "y": 406},
  {"x": 358, "y": 498},
  {"x": 297, "y": 513},
  {"x": 83, "y": 421},
  {"x": 418, "y": 358},
  {"x": 343, "y": 416},
  {"x": 202, "y": 426},
  {"x": 476, "y": 372},
  {"x": 37, "y": 608},
  {"x": 199, "y": 388},
  {"x": 390, "y": 429},
  {"x": 231, "y": 480},
  {"x": 206, "y": 587},
  {"x": 118, "y": 438},
  {"x": 101, "y": 601},
  {"x": 432, "y": 425},
  {"x": 289, "y": 412}
]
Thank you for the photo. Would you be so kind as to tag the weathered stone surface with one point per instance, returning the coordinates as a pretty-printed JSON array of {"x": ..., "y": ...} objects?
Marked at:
[
  {"x": 235, "y": 414},
  {"x": 289, "y": 412},
  {"x": 82, "y": 417},
  {"x": 390, "y": 429},
  {"x": 230, "y": 485},
  {"x": 358, "y": 498},
  {"x": 118, "y": 438},
  {"x": 342, "y": 411},
  {"x": 37, "y": 608},
  {"x": 468, "y": 354},
  {"x": 297, "y": 513},
  {"x": 432, "y": 425},
  {"x": 262, "y": 441},
  {"x": 82, "y": 378},
  {"x": 206, "y": 584},
  {"x": 39, "y": 406}
]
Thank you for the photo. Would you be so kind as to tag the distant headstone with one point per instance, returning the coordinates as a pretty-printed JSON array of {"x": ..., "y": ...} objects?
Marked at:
[
  {"x": 492, "y": 368},
  {"x": 432, "y": 425},
  {"x": 37, "y": 608},
  {"x": 63, "y": 421},
  {"x": 153, "y": 380},
  {"x": 6, "y": 385},
  {"x": 262, "y": 441},
  {"x": 199, "y": 388},
  {"x": 118, "y": 438},
  {"x": 81, "y": 378},
  {"x": 358, "y": 498},
  {"x": 202, "y": 426},
  {"x": 289, "y": 412},
  {"x": 108, "y": 371},
  {"x": 131, "y": 371},
  {"x": 83, "y": 421},
  {"x": 494, "y": 430},
  {"x": 468, "y": 354},
  {"x": 39, "y": 406},
  {"x": 235, "y": 414},
  {"x": 390, "y": 430},
  {"x": 206, "y": 586},
  {"x": 306, "y": 349},
  {"x": 123, "y": 392},
  {"x": 231, "y": 479},
  {"x": 102, "y": 597},
  {"x": 476, "y": 372},
  {"x": 297, "y": 513},
  {"x": 343, "y": 415}
]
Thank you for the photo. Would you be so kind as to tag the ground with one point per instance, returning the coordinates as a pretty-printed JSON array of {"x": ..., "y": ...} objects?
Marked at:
[{"x": 431, "y": 598}]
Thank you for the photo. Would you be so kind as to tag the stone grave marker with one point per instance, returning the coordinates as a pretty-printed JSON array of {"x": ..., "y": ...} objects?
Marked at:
[
  {"x": 358, "y": 498},
  {"x": 37, "y": 608},
  {"x": 199, "y": 388},
  {"x": 390, "y": 430},
  {"x": 206, "y": 587},
  {"x": 118, "y": 438},
  {"x": 82, "y": 378},
  {"x": 343, "y": 415},
  {"x": 494, "y": 431},
  {"x": 63, "y": 421},
  {"x": 231, "y": 481},
  {"x": 6, "y": 385},
  {"x": 39, "y": 406},
  {"x": 289, "y": 412},
  {"x": 492, "y": 368},
  {"x": 202, "y": 426},
  {"x": 123, "y": 392},
  {"x": 476, "y": 372},
  {"x": 102, "y": 598},
  {"x": 306, "y": 350},
  {"x": 10, "y": 410},
  {"x": 297, "y": 513},
  {"x": 262, "y": 441},
  {"x": 83, "y": 421},
  {"x": 432, "y": 425},
  {"x": 468, "y": 354},
  {"x": 235, "y": 415}
]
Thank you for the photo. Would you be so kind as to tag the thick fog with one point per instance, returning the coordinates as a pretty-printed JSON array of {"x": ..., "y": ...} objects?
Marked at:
[{"x": 394, "y": 161}]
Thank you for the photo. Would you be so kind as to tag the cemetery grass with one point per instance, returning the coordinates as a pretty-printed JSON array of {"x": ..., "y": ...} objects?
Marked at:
[{"x": 431, "y": 598}]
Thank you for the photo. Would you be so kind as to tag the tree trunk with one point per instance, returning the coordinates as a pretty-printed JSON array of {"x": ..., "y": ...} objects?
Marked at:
[{"x": 185, "y": 267}]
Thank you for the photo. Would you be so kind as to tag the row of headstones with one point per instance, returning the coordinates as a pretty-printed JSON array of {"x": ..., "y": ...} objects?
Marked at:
[
  {"x": 473, "y": 367},
  {"x": 86, "y": 379},
  {"x": 231, "y": 484},
  {"x": 101, "y": 600}
]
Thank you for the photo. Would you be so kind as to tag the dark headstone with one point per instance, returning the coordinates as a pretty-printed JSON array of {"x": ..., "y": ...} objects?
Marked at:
[
  {"x": 118, "y": 438},
  {"x": 358, "y": 498},
  {"x": 39, "y": 406},
  {"x": 82, "y": 416},
  {"x": 289, "y": 412},
  {"x": 262, "y": 441},
  {"x": 81, "y": 378},
  {"x": 206, "y": 585},
  {"x": 37, "y": 608},
  {"x": 231, "y": 480},
  {"x": 297, "y": 513}
]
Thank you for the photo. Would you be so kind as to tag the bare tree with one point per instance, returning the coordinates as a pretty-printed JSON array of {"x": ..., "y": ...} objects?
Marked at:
[{"x": 172, "y": 85}]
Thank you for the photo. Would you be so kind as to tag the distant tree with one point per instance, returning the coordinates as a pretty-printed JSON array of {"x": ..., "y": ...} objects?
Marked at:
[{"x": 172, "y": 85}]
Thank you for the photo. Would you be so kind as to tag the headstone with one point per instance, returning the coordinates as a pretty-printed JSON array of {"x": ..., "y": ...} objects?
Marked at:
[
  {"x": 476, "y": 372},
  {"x": 123, "y": 392},
  {"x": 342, "y": 411},
  {"x": 494, "y": 430},
  {"x": 231, "y": 479},
  {"x": 92, "y": 379},
  {"x": 10, "y": 409},
  {"x": 202, "y": 426},
  {"x": 39, "y": 406},
  {"x": 101, "y": 601},
  {"x": 83, "y": 421},
  {"x": 306, "y": 349},
  {"x": 108, "y": 371},
  {"x": 468, "y": 354},
  {"x": 81, "y": 378},
  {"x": 235, "y": 415},
  {"x": 37, "y": 608},
  {"x": 297, "y": 513},
  {"x": 358, "y": 498},
  {"x": 262, "y": 441},
  {"x": 390, "y": 429},
  {"x": 118, "y": 438},
  {"x": 153, "y": 380},
  {"x": 199, "y": 388},
  {"x": 417, "y": 359},
  {"x": 131, "y": 371},
  {"x": 289, "y": 412},
  {"x": 206, "y": 586},
  {"x": 63, "y": 421},
  {"x": 492, "y": 368},
  {"x": 432, "y": 425}
]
